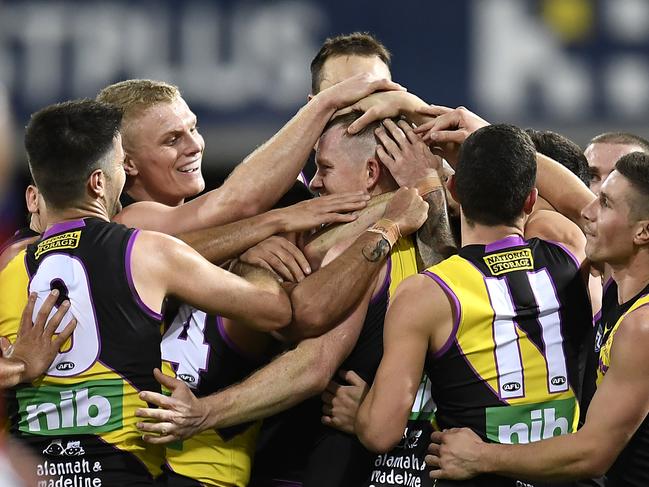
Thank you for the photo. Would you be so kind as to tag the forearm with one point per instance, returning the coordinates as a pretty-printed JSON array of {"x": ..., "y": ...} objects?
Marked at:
[
  {"x": 570, "y": 196},
  {"x": 288, "y": 380},
  {"x": 266, "y": 174},
  {"x": 218, "y": 244},
  {"x": 325, "y": 239},
  {"x": 566, "y": 457},
  {"x": 325, "y": 297},
  {"x": 434, "y": 239}
]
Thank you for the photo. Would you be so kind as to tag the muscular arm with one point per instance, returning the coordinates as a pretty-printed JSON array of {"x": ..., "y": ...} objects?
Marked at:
[
  {"x": 289, "y": 379},
  {"x": 264, "y": 176},
  {"x": 164, "y": 266},
  {"x": 419, "y": 305},
  {"x": 434, "y": 239},
  {"x": 218, "y": 244},
  {"x": 569, "y": 197},
  {"x": 325, "y": 297},
  {"x": 589, "y": 452}
]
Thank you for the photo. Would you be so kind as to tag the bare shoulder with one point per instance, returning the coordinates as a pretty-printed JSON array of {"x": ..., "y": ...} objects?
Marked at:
[
  {"x": 421, "y": 296},
  {"x": 146, "y": 215},
  {"x": 553, "y": 226}
]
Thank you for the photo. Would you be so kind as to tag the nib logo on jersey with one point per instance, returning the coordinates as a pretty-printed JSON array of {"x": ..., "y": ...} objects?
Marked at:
[
  {"x": 68, "y": 409},
  {"x": 530, "y": 422}
]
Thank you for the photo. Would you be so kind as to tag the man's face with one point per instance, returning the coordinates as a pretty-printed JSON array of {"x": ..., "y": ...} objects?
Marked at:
[
  {"x": 164, "y": 145},
  {"x": 338, "y": 167},
  {"x": 610, "y": 228},
  {"x": 339, "y": 68},
  {"x": 602, "y": 158}
]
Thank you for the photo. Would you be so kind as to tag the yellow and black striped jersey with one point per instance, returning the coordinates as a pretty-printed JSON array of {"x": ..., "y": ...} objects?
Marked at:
[
  {"x": 509, "y": 370},
  {"x": 197, "y": 349},
  {"x": 631, "y": 468}
]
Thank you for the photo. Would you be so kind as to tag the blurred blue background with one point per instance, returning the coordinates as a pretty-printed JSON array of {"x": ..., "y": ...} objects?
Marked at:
[{"x": 579, "y": 67}]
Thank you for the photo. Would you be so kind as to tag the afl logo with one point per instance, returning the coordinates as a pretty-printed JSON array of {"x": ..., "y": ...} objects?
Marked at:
[
  {"x": 187, "y": 378},
  {"x": 65, "y": 366},
  {"x": 511, "y": 386},
  {"x": 558, "y": 380}
]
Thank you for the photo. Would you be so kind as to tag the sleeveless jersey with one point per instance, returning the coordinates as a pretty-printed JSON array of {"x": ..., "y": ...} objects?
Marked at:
[
  {"x": 338, "y": 458},
  {"x": 631, "y": 468},
  {"x": 197, "y": 349},
  {"x": 509, "y": 370},
  {"x": 81, "y": 415}
]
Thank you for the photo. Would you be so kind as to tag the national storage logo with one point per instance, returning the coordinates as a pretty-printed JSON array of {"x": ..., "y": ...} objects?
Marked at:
[
  {"x": 512, "y": 260},
  {"x": 68, "y": 409},
  {"x": 68, "y": 240}
]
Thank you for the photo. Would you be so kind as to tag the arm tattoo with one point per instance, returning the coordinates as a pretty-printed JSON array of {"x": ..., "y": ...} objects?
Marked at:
[
  {"x": 434, "y": 239},
  {"x": 376, "y": 251}
]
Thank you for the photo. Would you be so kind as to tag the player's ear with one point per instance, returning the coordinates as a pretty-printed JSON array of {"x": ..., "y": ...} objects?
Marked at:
[
  {"x": 129, "y": 165},
  {"x": 373, "y": 173},
  {"x": 530, "y": 201},
  {"x": 97, "y": 183},
  {"x": 451, "y": 188},
  {"x": 31, "y": 198},
  {"x": 641, "y": 236}
]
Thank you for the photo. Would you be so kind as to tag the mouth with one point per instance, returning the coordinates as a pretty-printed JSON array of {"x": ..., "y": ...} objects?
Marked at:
[{"x": 192, "y": 167}]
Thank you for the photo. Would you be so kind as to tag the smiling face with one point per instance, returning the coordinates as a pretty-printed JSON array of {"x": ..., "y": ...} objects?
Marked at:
[
  {"x": 610, "y": 228},
  {"x": 164, "y": 152}
]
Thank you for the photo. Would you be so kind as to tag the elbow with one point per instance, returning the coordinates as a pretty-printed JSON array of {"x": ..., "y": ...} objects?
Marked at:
[
  {"x": 594, "y": 461},
  {"x": 311, "y": 320},
  {"x": 375, "y": 439}
]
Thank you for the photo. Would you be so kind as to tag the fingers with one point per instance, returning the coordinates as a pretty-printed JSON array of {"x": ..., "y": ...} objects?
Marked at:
[
  {"x": 327, "y": 397},
  {"x": 352, "y": 378},
  {"x": 445, "y": 136},
  {"x": 157, "y": 414},
  {"x": 5, "y": 346},
  {"x": 64, "y": 335},
  {"x": 26, "y": 320},
  {"x": 413, "y": 138},
  {"x": 54, "y": 322},
  {"x": 384, "y": 84},
  {"x": 44, "y": 311},
  {"x": 388, "y": 142},
  {"x": 161, "y": 428},
  {"x": 156, "y": 398},
  {"x": 434, "y": 110},
  {"x": 159, "y": 440},
  {"x": 170, "y": 383},
  {"x": 395, "y": 131},
  {"x": 363, "y": 121},
  {"x": 327, "y": 410}
]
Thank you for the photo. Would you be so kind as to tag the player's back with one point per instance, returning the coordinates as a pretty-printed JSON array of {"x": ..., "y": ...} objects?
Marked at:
[
  {"x": 509, "y": 371},
  {"x": 80, "y": 415},
  {"x": 198, "y": 350}
]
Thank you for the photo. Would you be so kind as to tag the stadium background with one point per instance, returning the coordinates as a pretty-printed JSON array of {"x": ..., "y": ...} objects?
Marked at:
[{"x": 579, "y": 67}]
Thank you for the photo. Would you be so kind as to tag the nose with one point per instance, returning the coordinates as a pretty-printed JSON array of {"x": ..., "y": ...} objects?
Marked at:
[
  {"x": 316, "y": 183},
  {"x": 196, "y": 143},
  {"x": 588, "y": 212}
]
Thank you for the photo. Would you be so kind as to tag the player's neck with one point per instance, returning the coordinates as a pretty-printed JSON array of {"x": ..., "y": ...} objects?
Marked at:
[
  {"x": 86, "y": 210},
  {"x": 477, "y": 234},
  {"x": 139, "y": 193},
  {"x": 632, "y": 276}
]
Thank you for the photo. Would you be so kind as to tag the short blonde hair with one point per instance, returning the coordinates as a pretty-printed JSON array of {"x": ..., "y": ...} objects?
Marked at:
[{"x": 133, "y": 96}]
